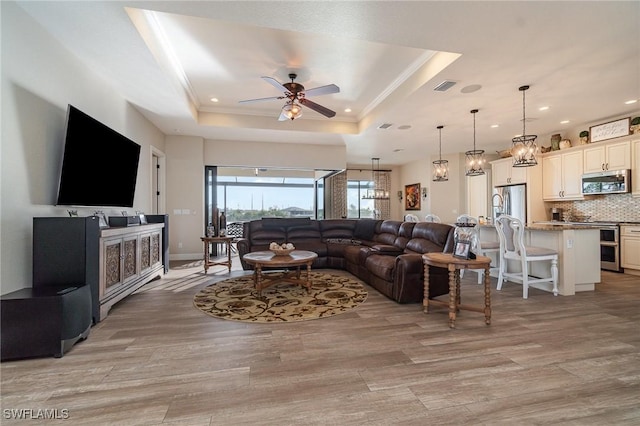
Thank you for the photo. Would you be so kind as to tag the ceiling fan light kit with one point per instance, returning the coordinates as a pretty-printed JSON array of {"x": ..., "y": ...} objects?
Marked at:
[
  {"x": 296, "y": 96},
  {"x": 292, "y": 110}
]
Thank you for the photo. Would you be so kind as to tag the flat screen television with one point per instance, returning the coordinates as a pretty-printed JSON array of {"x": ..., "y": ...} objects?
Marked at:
[{"x": 99, "y": 167}]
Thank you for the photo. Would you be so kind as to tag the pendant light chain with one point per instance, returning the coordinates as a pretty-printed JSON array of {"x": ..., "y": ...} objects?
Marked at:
[{"x": 524, "y": 113}]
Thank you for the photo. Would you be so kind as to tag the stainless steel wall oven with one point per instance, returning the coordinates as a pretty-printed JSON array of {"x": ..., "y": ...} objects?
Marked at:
[{"x": 610, "y": 247}]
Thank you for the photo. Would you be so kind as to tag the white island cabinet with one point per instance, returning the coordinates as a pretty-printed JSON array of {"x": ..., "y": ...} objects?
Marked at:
[{"x": 578, "y": 249}]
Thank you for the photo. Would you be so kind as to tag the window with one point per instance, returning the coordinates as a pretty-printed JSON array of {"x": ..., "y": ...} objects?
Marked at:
[
  {"x": 357, "y": 207},
  {"x": 248, "y": 194}
]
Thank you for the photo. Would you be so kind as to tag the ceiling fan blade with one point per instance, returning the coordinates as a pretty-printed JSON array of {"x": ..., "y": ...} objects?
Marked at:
[
  {"x": 317, "y": 108},
  {"x": 272, "y": 98},
  {"x": 322, "y": 90},
  {"x": 275, "y": 83}
]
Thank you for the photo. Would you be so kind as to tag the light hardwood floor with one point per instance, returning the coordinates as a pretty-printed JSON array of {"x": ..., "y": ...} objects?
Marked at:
[{"x": 158, "y": 360}]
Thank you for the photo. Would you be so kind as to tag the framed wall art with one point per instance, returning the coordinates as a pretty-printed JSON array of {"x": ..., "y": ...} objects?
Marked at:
[
  {"x": 412, "y": 197},
  {"x": 610, "y": 130}
]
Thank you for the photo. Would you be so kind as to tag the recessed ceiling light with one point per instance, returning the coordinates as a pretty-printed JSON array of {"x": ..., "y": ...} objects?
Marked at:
[
  {"x": 214, "y": 99},
  {"x": 347, "y": 110},
  {"x": 495, "y": 126},
  {"x": 564, "y": 122},
  {"x": 631, "y": 101},
  {"x": 544, "y": 108}
]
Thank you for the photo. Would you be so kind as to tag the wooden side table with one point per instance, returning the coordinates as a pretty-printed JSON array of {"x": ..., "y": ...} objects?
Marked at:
[
  {"x": 454, "y": 265},
  {"x": 216, "y": 240}
]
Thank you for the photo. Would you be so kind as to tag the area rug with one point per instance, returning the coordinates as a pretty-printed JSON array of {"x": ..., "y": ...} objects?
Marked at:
[{"x": 236, "y": 299}]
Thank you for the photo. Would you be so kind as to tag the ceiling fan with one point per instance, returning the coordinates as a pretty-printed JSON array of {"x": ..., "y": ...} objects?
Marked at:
[{"x": 296, "y": 95}]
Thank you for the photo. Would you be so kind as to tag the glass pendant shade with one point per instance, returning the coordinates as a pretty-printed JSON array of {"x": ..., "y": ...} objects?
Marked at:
[
  {"x": 524, "y": 147},
  {"x": 292, "y": 110},
  {"x": 475, "y": 158},
  {"x": 440, "y": 166}
]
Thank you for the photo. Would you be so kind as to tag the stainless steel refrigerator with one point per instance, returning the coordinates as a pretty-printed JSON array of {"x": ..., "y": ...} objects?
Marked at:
[{"x": 511, "y": 200}]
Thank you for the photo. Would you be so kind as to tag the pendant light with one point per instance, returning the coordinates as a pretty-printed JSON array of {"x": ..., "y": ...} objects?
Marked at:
[
  {"x": 475, "y": 157},
  {"x": 524, "y": 146},
  {"x": 440, "y": 166},
  {"x": 375, "y": 193}
]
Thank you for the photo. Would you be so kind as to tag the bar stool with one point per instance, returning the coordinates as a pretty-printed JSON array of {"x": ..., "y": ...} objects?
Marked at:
[
  {"x": 432, "y": 218},
  {"x": 411, "y": 218},
  {"x": 484, "y": 248},
  {"x": 481, "y": 248},
  {"x": 511, "y": 234}
]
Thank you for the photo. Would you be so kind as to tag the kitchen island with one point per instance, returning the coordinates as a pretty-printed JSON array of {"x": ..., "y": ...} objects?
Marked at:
[{"x": 578, "y": 249}]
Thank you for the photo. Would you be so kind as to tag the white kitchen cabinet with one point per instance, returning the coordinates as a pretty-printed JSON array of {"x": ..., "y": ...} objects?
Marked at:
[
  {"x": 478, "y": 195},
  {"x": 610, "y": 156},
  {"x": 562, "y": 176},
  {"x": 635, "y": 168},
  {"x": 504, "y": 173},
  {"x": 630, "y": 247}
]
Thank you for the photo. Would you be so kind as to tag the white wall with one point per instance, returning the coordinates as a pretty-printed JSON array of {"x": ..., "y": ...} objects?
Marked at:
[
  {"x": 444, "y": 199},
  {"x": 39, "y": 79},
  {"x": 186, "y": 158}
]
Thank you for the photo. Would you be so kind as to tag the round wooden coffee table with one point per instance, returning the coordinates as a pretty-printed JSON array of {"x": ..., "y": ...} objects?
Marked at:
[{"x": 296, "y": 259}]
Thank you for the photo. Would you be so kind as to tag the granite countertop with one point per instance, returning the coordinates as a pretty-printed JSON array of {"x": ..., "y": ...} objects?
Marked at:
[
  {"x": 559, "y": 227},
  {"x": 548, "y": 226}
]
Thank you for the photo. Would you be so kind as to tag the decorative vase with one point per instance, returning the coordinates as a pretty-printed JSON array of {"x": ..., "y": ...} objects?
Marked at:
[
  {"x": 555, "y": 142},
  {"x": 565, "y": 143}
]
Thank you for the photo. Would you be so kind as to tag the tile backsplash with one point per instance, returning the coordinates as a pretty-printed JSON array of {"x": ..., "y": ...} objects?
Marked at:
[{"x": 614, "y": 207}]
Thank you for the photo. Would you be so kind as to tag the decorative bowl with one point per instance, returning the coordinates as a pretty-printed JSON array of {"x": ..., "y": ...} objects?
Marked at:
[
  {"x": 282, "y": 252},
  {"x": 505, "y": 153}
]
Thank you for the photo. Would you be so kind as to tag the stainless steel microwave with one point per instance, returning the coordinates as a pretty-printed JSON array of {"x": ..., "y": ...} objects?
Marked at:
[{"x": 609, "y": 182}]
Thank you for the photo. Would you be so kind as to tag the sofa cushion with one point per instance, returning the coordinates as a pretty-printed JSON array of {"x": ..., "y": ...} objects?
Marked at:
[
  {"x": 404, "y": 234},
  {"x": 388, "y": 232},
  {"x": 386, "y": 249},
  {"x": 365, "y": 229},
  {"x": 381, "y": 266},
  {"x": 337, "y": 228},
  {"x": 284, "y": 222},
  {"x": 310, "y": 231},
  {"x": 261, "y": 236},
  {"x": 315, "y": 246},
  {"x": 429, "y": 237}
]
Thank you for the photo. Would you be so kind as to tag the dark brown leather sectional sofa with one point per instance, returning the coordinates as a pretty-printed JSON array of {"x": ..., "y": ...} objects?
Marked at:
[{"x": 387, "y": 254}]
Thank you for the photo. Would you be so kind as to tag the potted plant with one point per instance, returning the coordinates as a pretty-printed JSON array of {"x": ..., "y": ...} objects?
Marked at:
[
  {"x": 635, "y": 125},
  {"x": 584, "y": 137}
]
